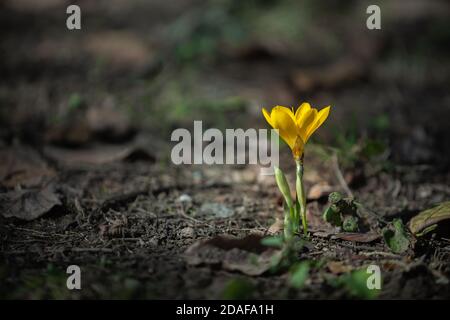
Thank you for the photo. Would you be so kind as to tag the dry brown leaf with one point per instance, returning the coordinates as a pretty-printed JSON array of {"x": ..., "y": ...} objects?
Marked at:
[
  {"x": 358, "y": 237},
  {"x": 319, "y": 190},
  {"x": 22, "y": 166},
  {"x": 338, "y": 267},
  {"x": 97, "y": 154},
  {"x": 246, "y": 255},
  {"x": 121, "y": 50},
  {"x": 276, "y": 227},
  {"x": 330, "y": 76},
  {"x": 429, "y": 217},
  {"x": 103, "y": 121},
  {"x": 28, "y": 204},
  {"x": 109, "y": 122}
]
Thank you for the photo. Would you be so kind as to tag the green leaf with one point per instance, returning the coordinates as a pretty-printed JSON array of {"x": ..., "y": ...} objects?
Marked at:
[
  {"x": 335, "y": 197},
  {"x": 396, "y": 237},
  {"x": 283, "y": 185},
  {"x": 275, "y": 241},
  {"x": 299, "y": 274},
  {"x": 355, "y": 283},
  {"x": 75, "y": 101},
  {"x": 430, "y": 217},
  {"x": 332, "y": 216},
  {"x": 350, "y": 224},
  {"x": 238, "y": 289}
]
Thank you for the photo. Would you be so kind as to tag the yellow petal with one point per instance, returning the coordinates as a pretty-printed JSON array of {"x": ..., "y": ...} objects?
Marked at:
[
  {"x": 302, "y": 110},
  {"x": 305, "y": 117},
  {"x": 267, "y": 116},
  {"x": 289, "y": 111},
  {"x": 283, "y": 120},
  {"x": 320, "y": 118}
]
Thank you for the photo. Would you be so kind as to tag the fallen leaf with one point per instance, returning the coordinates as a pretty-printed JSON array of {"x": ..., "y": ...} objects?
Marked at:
[
  {"x": 250, "y": 264},
  {"x": 429, "y": 217},
  {"x": 120, "y": 50},
  {"x": 72, "y": 131},
  {"x": 24, "y": 167},
  {"x": 98, "y": 154},
  {"x": 109, "y": 122},
  {"x": 338, "y": 267},
  {"x": 329, "y": 76},
  {"x": 276, "y": 227},
  {"x": 319, "y": 190},
  {"x": 28, "y": 204},
  {"x": 358, "y": 237},
  {"x": 82, "y": 122},
  {"x": 246, "y": 255}
]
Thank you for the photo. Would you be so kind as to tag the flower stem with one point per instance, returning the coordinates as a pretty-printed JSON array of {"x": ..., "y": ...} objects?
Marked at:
[
  {"x": 301, "y": 196},
  {"x": 289, "y": 210}
]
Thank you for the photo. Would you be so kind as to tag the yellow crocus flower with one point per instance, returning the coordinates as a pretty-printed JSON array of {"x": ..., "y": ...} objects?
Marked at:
[{"x": 296, "y": 128}]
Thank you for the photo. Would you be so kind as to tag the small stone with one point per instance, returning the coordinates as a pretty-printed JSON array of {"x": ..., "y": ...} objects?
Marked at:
[
  {"x": 216, "y": 210},
  {"x": 185, "y": 198},
  {"x": 187, "y": 232},
  {"x": 240, "y": 210}
]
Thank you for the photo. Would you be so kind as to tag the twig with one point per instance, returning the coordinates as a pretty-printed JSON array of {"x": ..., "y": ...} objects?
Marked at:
[
  {"x": 181, "y": 211},
  {"x": 380, "y": 253},
  {"x": 340, "y": 177},
  {"x": 92, "y": 250},
  {"x": 355, "y": 246}
]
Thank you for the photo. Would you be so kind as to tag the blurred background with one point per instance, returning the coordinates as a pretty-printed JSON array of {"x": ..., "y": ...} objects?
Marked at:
[{"x": 156, "y": 65}]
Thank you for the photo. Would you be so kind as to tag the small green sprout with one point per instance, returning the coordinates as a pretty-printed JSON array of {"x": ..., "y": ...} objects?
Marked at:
[
  {"x": 396, "y": 236},
  {"x": 342, "y": 212},
  {"x": 350, "y": 224}
]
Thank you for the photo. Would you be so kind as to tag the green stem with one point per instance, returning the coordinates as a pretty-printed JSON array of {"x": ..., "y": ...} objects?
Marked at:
[
  {"x": 289, "y": 210},
  {"x": 288, "y": 232},
  {"x": 301, "y": 196}
]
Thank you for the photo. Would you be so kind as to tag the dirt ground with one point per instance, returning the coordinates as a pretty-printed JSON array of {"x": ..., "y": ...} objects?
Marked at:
[{"x": 85, "y": 170}]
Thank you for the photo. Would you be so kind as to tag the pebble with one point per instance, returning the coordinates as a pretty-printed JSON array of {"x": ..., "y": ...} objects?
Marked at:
[
  {"x": 216, "y": 210},
  {"x": 185, "y": 198},
  {"x": 187, "y": 232}
]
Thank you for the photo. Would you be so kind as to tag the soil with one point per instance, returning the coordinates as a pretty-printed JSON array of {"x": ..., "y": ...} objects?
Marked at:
[
  {"x": 131, "y": 244},
  {"x": 115, "y": 206}
]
